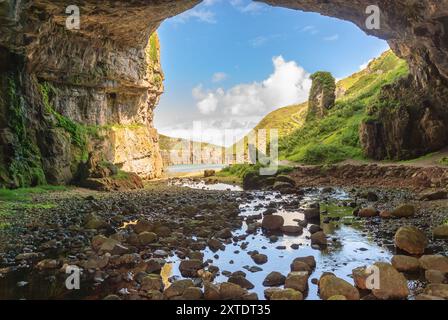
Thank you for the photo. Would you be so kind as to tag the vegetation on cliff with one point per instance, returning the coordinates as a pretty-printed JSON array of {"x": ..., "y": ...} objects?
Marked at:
[{"x": 336, "y": 137}]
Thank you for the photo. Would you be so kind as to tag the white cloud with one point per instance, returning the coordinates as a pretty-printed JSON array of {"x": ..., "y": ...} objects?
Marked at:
[
  {"x": 334, "y": 37},
  {"x": 247, "y": 6},
  {"x": 202, "y": 15},
  {"x": 219, "y": 76},
  {"x": 289, "y": 84},
  {"x": 310, "y": 29}
]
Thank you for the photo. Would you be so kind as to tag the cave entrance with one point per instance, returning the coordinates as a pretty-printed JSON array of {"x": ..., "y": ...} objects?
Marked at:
[{"x": 233, "y": 66}]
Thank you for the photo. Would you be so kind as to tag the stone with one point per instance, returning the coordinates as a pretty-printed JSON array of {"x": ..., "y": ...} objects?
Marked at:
[
  {"x": 274, "y": 279},
  {"x": 435, "y": 276},
  {"x": 231, "y": 291},
  {"x": 432, "y": 195},
  {"x": 260, "y": 258},
  {"x": 142, "y": 226},
  {"x": 190, "y": 268},
  {"x": 209, "y": 173},
  {"x": 48, "y": 264},
  {"x": 319, "y": 238},
  {"x": 215, "y": 245},
  {"x": 287, "y": 179},
  {"x": 440, "y": 232},
  {"x": 300, "y": 266},
  {"x": 147, "y": 237},
  {"x": 434, "y": 262},
  {"x": 177, "y": 288},
  {"x": 192, "y": 293},
  {"x": 272, "y": 222},
  {"x": 241, "y": 281},
  {"x": 297, "y": 281},
  {"x": 392, "y": 284},
  {"x": 437, "y": 290},
  {"x": 152, "y": 282},
  {"x": 309, "y": 260},
  {"x": 211, "y": 291},
  {"x": 113, "y": 246},
  {"x": 92, "y": 221},
  {"x": 405, "y": 263},
  {"x": 98, "y": 241},
  {"x": 282, "y": 186},
  {"x": 411, "y": 240},
  {"x": 250, "y": 296},
  {"x": 224, "y": 234},
  {"x": 312, "y": 214},
  {"x": 368, "y": 213},
  {"x": 386, "y": 214},
  {"x": 404, "y": 211},
  {"x": 285, "y": 294},
  {"x": 330, "y": 285},
  {"x": 360, "y": 276},
  {"x": 292, "y": 230},
  {"x": 314, "y": 228},
  {"x": 154, "y": 265}
]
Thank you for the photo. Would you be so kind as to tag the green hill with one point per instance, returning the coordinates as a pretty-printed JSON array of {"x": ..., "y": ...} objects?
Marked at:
[{"x": 336, "y": 137}]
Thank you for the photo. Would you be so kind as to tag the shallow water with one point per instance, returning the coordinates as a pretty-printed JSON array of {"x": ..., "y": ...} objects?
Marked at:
[
  {"x": 348, "y": 248},
  {"x": 185, "y": 168}
]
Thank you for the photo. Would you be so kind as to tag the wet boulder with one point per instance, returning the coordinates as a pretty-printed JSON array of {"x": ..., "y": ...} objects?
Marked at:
[
  {"x": 231, "y": 291},
  {"x": 147, "y": 237},
  {"x": 177, "y": 288},
  {"x": 319, "y": 238},
  {"x": 441, "y": 232},
  {"x": 312, "y": 214},
  {"x": 272, "y": 222},
  {"x": 411, "y": 240},
  {"x": 405, "y": 263},
  {"x": 285, "y": 294},
  {"x": 274, "y": 279},
  {"x": 241, "y": 281},
  {"x": 404, "y": 211},
  {"x": 434, "y": 262},
  {"x": 392, "y": 284},
  {"x": 260, "y": 258},
  {"x": 292, "y": 230},
  {"x": 330, "y": 285},
  {"x": 190, "y": 268},
  {"x": 297, "y": 281},
  {"x": 368, "y": 213},
  {"x": 435, "y": 276},
  {"x": 437, "y": 290}
]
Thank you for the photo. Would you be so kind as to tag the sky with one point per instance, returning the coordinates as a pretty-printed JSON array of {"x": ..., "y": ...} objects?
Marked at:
[{"x": 228, "y": 63}]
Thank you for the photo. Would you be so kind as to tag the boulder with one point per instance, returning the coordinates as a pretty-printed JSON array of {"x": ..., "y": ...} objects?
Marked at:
[
  {"x": 147, "y": 237},
  {"x": 274, "y": 279},
  {"x": 440, "y": 232},
  {"x": 192, "y": 293},
  {"x": 434, "y": 262},
  {"x": 282, "y": 186},
  {"x": 411, "y": 240},
  {"x": 309, "y": 260},
  {"x": 285, "y": 294},
  {"x": 211, "y": 291},
  {"x": 260, "y": 258},
  {"x": 142, "y": 226},
  {"x": 437, "y": 290},
  {"x": 330, "y": 285},
  {"x": 285, "y": 178},
  {"x": 190, "y": 268},
  {"x": 405, "y": 263},
  {"x": 224, "y": 234},
  {"x": 241, "y": 281},
  {"x": 392, "y": 284},
  {"x": 368, "y": 213},
  {"x": 98, "y": 241},
  {"x": 319, "y": 238},
  {"x": 92, "y": 221},
  {"x": 297, "y": 281},
  {"x": 404, "y": 211},
  {"x": 272, "y": 222},
  {"x": 314, "y": 228},
  {"x": 312, "y": 214},
  {"x": 152, "y": 282},
  {"x": 231, "y": 291},
  {"x": 292, "y": 230},
  {"x": 435, "y": 276},
  {"x": 177, "y": 288},
  {"x": 215, "y": 245},
  {"x": 300, "y": 266}
]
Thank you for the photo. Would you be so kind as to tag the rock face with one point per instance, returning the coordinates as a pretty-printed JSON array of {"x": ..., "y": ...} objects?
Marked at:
[
  {"x": 411, "y": 117},
  {"x": 322, "y": 94},
  {"x": 65, "y": 92}
]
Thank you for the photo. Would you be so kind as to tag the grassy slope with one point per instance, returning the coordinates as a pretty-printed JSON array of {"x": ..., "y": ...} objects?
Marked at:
[{"x": 336, "y": 137}]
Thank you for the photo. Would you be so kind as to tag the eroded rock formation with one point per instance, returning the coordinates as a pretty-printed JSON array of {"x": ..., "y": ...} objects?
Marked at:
[
  {"x": 62, "y": 90},
  {"x": 322, "y": 94}
]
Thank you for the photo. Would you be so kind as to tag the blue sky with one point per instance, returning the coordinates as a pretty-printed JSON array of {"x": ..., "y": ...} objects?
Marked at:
[{"x": 227, "y": 63}]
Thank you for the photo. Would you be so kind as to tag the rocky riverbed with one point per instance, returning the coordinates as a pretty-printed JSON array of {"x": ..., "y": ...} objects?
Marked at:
[{"x": 188, "y": 239}]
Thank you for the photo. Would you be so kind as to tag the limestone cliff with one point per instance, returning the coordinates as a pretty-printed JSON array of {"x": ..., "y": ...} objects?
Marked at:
[{"x": 65, "y": 92}]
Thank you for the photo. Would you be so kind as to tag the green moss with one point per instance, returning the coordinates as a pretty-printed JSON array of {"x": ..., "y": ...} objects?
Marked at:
[
  {"x": 121, "y": 175},
  {"x": 444, "y": 161},
  {"x": 154, "y": 48},
  {"x": 324, "y": 79},
  {"x": 24, "y": 194},
  {"x": 25, "y": 168}
]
